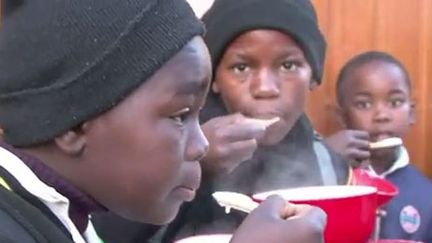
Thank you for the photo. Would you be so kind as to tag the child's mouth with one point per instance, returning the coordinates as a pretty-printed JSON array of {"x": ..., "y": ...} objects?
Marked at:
[{"x": 381, "y": 136}]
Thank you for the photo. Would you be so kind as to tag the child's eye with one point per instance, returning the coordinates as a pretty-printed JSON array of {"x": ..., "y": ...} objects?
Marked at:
[
  {"x": 363, "y": 105},
  {"x": 290, "y": 66},
  {"x": 181, "y": 116},
  {"x": 240, "y": 68},
  {"x": 397, "y": 102}
]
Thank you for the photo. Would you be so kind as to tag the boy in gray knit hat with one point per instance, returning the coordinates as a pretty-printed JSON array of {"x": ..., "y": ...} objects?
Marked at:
[{"x": 99, "y": 103}]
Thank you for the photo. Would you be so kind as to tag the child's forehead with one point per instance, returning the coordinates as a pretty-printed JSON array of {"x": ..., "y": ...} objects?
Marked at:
[
  {"x": 377, "y": 64},
  {"x": 377, "y": 72},
  {"x": 374, "y": 79}
]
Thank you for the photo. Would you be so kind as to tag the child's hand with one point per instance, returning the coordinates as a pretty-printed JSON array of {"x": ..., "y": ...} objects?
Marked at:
[
  {"x": 352, "y": 145},
  {"x": 276, "y": 221},
  {"x": 232, "y": 139}
]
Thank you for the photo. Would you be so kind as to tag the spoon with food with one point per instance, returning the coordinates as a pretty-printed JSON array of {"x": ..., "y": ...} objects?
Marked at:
[
  {"x": 386, "y": 143},
  {"x": 265, "y": 123},
  {"x": 234, "y": 200}
]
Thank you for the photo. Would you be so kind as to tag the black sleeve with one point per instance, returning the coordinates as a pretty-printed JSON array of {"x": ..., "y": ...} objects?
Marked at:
[
  {"x": 11, "y": 231},
  {"x": 6, "y": 239},
  {"x": 21, "y": 219}
]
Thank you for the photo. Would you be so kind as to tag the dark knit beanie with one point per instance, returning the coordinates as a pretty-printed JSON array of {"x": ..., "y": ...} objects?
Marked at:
[
  {"x": 63, "y": 62},
  {"x": 227, "y": 19}
]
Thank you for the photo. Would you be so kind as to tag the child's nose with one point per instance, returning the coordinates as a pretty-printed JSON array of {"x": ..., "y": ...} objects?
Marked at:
[
  {"x": 265, "y": 85},
  {"x": 382, "y": 114},
  {"x": 197, "y": 147}
]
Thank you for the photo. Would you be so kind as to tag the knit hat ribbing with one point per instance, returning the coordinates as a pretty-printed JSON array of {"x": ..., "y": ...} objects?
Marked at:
[
  {"x": 227, "y": 19},
  {"x": 68, "y": 61}
]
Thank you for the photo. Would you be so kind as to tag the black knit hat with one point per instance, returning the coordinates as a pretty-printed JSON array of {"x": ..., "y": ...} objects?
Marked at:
[
  {"x": 227, "y": 19},
  {"x": 63, "y": 62}
]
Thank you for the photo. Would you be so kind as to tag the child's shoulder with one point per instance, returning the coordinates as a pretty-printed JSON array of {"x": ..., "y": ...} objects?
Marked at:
[
  {"x": 411, "y": 176},
  {"x": 416, "y": 174}
]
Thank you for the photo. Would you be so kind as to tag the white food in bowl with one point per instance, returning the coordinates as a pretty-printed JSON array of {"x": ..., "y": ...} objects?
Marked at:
[{"x": 318, "y": 193}]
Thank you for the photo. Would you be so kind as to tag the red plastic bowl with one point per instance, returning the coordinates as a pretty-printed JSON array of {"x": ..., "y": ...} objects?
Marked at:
[
  {"x": 386, "y": 189},
  {"x": 216, "y": 238},
  {"x": 351, "y": 210},
  {"x": 395, "y": 241}
]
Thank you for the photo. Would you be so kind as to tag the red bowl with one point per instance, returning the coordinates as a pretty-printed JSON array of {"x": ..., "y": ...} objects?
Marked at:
[
  {"x": 385, "y": 189},
  {"x": 394, "y": 241},
  {"x": 351, "y": 210},
  {"x": 216, "y": 238}
]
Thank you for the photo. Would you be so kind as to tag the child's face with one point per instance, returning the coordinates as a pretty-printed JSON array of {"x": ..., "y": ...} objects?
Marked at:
[
  {"x": 377, "y": 100},
  {"x": 264, "y": 74},
  {"x": 142, "y": 156}
]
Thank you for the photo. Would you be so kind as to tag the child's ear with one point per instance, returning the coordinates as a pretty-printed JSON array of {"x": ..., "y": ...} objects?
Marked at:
[
  {"x": 412, "y": 113},
  {"x": 215, "y": 87},
  {"x": 74, "y": 141}
]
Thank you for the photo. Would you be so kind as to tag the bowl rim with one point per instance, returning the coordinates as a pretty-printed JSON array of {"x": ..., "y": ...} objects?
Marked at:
[
  {"x": 203, "y": 237},
  {"x": 362, "y": 191},
  {"x": 362, "y": 175}
]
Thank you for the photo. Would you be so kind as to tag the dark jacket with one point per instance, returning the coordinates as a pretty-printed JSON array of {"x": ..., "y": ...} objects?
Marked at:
[
  {"x": 24, "y": 220},
  {"x": 409, "y": 215}
]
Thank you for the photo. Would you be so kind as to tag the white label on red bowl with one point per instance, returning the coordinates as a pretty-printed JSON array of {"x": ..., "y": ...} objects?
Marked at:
[{"x": 318, "y": 193}]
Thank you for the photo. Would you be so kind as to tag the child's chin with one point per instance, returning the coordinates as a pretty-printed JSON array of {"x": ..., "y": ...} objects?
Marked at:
[
  {"x": 160, "y": 216},
  {"x": 163, "y": 219},
  {"x": 274, "y": 135},
  {"x": 385, "y": 153}
]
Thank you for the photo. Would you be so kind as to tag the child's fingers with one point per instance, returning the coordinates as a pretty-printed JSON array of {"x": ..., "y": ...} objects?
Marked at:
[
  {"x": 288, "y": 210},
  {"x": 274, "y": 206},
  {"x": 243, "y": 131},
  {"x": 238, "y": 152},
  {"x": 360, "y": 144},
  {"x": 358, "y": 154},
  {"x": 314, "y": 215},
  {"x": 247, "y": 128},
  {"x": 281, "y": 209},
  {"x": 233, "y": 128},
  {"x": 360, "y": 134},
  {"x": 298, "y": 210},
  {"x": 292, "y": 210}
]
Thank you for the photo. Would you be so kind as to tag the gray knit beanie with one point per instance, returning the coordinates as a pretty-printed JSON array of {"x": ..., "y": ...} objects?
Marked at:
[{"x": 63, "y": 62}]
